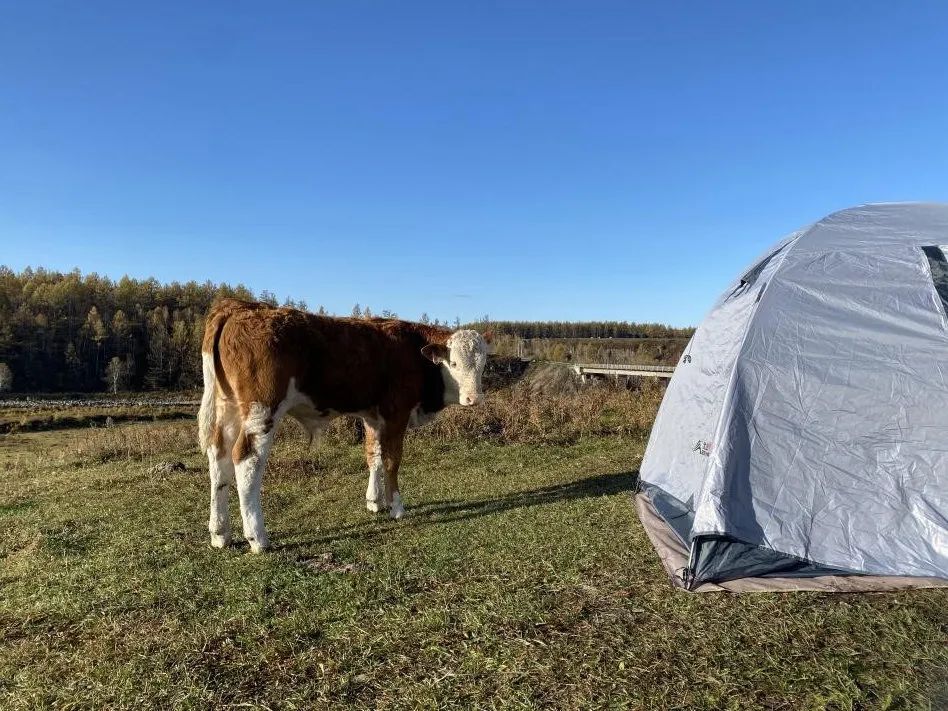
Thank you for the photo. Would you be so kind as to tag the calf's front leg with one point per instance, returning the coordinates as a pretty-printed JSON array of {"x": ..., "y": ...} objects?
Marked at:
[{"x": 393, "y": 441}]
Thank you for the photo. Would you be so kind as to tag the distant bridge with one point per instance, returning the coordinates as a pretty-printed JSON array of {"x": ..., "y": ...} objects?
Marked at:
[{"x": 585, "y": 370}]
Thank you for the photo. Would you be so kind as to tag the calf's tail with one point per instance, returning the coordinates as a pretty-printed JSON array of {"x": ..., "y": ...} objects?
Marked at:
[{"x": 207, "y": 415}]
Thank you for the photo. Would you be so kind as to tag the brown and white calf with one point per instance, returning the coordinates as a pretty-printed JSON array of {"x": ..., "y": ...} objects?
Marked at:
[{"x": 262, "y": 363}]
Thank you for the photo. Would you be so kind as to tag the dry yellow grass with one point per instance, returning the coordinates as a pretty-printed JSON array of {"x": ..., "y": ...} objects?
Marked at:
[
  {"x": 546, "y": 407},
  {"x": 137, "y": 443}
]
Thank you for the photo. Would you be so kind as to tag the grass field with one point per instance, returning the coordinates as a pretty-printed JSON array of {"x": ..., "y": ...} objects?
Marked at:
[{"x": 520, "y": 578}]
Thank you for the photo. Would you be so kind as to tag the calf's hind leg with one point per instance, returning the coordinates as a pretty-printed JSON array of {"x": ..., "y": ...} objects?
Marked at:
[
  {"x": 222, "y": 476},
  {"x": 375, "y": 499},
  {"x": 221, "y": 469},
  {"x": 250, "y": 460}
]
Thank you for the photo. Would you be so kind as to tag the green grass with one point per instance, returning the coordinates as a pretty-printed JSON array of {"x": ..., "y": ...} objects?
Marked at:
[{"x": 521, "y": 578}]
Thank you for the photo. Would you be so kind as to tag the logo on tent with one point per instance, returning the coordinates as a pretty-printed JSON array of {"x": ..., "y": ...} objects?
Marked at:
[{"x": 703, "y": 447}]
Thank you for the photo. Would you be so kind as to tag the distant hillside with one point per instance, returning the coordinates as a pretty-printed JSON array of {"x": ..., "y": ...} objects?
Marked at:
[
  {"x": 582, "y": 329},
  {"x": 589, "y": 341},
  {"x": 648, "y": 351}
]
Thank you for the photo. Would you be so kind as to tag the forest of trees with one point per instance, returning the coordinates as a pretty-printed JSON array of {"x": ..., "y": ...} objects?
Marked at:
[
  {"x": 69, "y": 332},
  {"x": 75, "y": 332}
]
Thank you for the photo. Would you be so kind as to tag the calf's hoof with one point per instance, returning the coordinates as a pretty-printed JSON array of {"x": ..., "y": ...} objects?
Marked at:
[
  {"x": 258, "y": 545},
  {"x": 397, "y": 510},
  {"x": 373, "y": 506},
  {"x": 220, "y": 540}
]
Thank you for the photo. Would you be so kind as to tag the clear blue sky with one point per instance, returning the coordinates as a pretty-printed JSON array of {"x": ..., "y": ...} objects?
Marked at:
[{"x": 527, "y": 160}]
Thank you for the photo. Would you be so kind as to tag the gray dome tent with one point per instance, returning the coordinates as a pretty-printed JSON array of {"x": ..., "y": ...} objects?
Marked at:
[{"x": 803, "y": 440}]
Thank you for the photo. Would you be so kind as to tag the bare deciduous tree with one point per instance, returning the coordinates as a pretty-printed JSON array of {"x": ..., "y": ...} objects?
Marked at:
[{"x": 116, "y": 374}]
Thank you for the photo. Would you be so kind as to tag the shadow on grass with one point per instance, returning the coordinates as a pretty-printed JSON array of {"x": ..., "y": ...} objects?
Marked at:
[{"x": 434, "y": 512}]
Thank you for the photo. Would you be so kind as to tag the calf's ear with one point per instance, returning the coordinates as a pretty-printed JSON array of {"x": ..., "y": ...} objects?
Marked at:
[{"x": 436, "y": 353}]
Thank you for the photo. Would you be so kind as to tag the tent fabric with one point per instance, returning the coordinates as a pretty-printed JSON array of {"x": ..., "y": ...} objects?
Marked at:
[{"x": 805, "y": 430}]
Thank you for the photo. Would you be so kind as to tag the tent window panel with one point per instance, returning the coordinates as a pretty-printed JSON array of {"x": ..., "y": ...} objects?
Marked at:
[
  {"x": 751, "y": 275},
  {"x": 938, "y": 267}
]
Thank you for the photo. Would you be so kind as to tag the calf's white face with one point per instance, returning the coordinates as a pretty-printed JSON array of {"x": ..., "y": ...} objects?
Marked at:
[{"x": 462, "y": 365}]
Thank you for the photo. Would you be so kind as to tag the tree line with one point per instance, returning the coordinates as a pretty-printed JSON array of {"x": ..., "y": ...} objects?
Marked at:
[
  {"x": 70, "y": 332},
  {"x": 581, "y": 329}
]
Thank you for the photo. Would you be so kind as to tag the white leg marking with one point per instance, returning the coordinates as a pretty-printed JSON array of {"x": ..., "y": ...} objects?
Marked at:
[
  {"x": 375, "y": 491},
  {"x": 222, "y": 475},
  {"x": 249, "y": 475},
  {"x": 397, "y": 509}
]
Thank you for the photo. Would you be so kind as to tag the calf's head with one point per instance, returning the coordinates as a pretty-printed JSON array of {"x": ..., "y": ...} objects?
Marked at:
[{"x": 462, "y": 361}]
